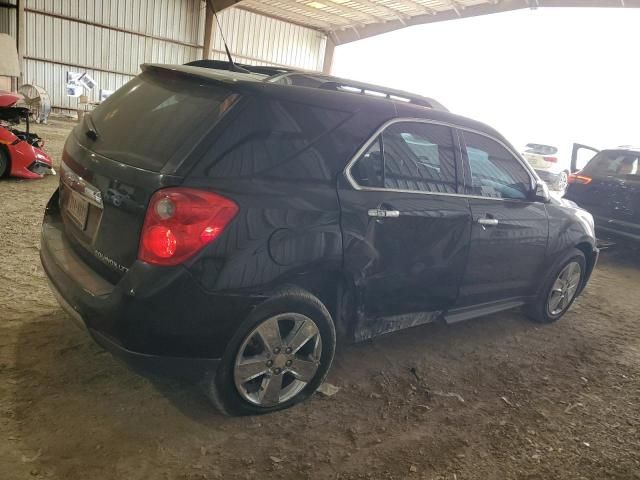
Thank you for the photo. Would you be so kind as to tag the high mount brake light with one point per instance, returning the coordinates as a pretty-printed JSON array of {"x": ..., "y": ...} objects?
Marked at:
[
  {"x": 581, "y": 179},
  {"x": 180, "y": 221}
]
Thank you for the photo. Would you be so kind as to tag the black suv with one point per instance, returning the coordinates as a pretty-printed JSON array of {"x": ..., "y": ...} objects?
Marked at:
[
  {"x": 609, "y": 187},
  {"x": 231, "y": 223}
]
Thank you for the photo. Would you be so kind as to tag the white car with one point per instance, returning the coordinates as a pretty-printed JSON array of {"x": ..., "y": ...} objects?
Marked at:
[
  {"x": 553, "y": 163},
  {"x": 550, "y": 163}
]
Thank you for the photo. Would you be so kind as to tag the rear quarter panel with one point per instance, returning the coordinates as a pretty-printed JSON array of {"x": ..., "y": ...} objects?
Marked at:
[{"x": 279, "y": 161}]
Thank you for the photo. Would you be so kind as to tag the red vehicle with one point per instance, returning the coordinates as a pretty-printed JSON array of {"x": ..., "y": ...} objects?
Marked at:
[{"x": 21, "y": 152}]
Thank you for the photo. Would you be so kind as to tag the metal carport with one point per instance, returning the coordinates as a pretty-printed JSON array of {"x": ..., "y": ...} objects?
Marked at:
[{"x": 345, "y": 21}]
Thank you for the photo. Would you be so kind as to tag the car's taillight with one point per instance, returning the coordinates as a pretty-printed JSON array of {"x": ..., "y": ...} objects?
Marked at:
[
  {"x": 180, "y": 221},
  {"x": 551, "y": 159},
  {"x": 581, "y": 179}
]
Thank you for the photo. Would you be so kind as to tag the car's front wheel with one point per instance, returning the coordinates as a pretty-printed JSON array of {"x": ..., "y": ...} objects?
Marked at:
[
  {"x": 560, "y": 289},
  {"x": 278, "y": 357}
]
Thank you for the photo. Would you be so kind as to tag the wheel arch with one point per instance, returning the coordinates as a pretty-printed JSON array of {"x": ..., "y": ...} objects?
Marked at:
[
  {"x": 334, "y": 291},
  {"x": 587, "y": 249}
]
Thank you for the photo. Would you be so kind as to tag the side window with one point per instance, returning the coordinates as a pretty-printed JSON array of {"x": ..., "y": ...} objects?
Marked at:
[
  {"x": 495, "y": 172},
  {"x": 368, "y": 170},
  {"x": 420, "y": 157},
  {"x": 278, "y": 139}
]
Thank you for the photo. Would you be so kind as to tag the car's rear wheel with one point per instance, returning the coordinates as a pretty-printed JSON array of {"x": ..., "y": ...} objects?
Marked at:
[
  {"x": 4, "y": 162},
  {"x": 277, "y": 358},
  {"x": 560, "y": 289}
]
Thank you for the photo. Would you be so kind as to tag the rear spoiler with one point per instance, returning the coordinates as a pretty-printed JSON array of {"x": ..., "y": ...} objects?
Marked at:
[
  {"x": 224, "y": 78},
  {"x": 267, "y": 71}
]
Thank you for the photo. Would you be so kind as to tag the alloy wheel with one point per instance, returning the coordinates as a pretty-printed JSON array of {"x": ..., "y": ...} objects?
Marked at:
[
  {"x": 277, "y": 359},
  {"x": 564, "y": 288},
  {"x": 563, "y": 182}
]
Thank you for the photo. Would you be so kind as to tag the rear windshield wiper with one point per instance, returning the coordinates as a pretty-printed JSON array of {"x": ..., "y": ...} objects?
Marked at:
[{"x": 91, "y": 132}]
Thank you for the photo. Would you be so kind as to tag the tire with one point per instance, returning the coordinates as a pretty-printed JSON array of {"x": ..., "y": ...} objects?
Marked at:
[
  {"x": 296, "y": 315},
  {"x": 4, "y": 162},
  {"x": 545, "y": 309}
]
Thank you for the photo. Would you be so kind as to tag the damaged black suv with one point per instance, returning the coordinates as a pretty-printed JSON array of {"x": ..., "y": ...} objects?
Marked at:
[{"x": 231, "y": 223}]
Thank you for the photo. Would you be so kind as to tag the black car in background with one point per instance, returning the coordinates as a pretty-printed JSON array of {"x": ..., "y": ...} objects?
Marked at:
[
  {"x": 264, "y": 214},
  {"x": 608, "y": 186}
]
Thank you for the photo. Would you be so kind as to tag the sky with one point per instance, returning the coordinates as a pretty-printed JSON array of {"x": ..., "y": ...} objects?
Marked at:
[{"x": 550, "y": 75}]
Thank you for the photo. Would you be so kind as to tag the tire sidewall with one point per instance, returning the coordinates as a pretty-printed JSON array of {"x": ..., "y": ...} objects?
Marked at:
[
  {"x": 297, "y": 301},
  {"x": 4, "y": 162},
  {"x": 543, "y": 298}
]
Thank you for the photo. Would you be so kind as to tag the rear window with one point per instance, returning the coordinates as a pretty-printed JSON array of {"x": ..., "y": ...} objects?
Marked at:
[
  {"x": 155, "y": 117},
  {"x": 614, "y": 163},
  {"x": 540, "y": 149}
]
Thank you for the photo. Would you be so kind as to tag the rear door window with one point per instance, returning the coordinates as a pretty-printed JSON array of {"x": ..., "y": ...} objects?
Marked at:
[
  {"x": 410, "y": 156},
  {"x": 147, "y": 121}
]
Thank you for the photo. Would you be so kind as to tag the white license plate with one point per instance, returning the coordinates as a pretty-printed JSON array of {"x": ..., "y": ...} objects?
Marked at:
[
  {"x": 536, "y": 161},
  {"x": 78, "y": 209}
]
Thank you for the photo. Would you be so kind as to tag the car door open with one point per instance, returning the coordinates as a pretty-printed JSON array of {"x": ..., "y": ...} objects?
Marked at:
[{"x": 581, "y": 155}]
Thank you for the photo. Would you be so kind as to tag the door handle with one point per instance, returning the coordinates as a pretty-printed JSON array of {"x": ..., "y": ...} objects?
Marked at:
[
  {"x": 380, "y": 213},
  {"x": 488, "y": 222}
]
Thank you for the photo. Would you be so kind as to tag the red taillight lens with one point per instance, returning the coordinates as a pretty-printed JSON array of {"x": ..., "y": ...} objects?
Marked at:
[
  {"x": 551, "y": 159},
  {"x": 180, "y": 221},
  {"x": 581, "y": 179},
  {"x": 161, "y": 241}
]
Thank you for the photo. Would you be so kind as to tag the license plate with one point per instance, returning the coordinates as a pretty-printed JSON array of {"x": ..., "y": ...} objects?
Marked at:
[
  {"x": 78, "y": 209},
  {"x": 535, "y": 161}
]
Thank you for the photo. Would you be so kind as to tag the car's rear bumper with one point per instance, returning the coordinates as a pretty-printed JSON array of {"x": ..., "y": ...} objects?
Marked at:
[
  {"x": 145, "y": 361},
  {"x": 152, "y": 316}
]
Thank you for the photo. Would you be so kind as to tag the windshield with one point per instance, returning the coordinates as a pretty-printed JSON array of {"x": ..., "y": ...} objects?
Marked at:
[
  {"x": 147, "y": 121},
  {"x": 613, "y": 163},
  {"x": 540, "y": 149}
]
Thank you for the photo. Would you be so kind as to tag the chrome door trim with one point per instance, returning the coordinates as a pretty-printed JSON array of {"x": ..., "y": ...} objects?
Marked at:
[
  {"x": 488, "y": 222},
  {"x": 533, "y": 178},
  {"x": 382, "y": 213}
]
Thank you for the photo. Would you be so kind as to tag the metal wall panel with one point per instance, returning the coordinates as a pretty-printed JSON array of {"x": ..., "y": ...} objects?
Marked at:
[
  {"x": 109, "y": 39},
  {"x": 258, "y": 40},
  {"x": 8, "y": 19},
  {"x": 173, "y": 19},
  {"x": 53, "y": 78}
]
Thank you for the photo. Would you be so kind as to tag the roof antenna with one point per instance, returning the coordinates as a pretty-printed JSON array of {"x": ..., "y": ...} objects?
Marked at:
[{"x": 232, "y": 66}]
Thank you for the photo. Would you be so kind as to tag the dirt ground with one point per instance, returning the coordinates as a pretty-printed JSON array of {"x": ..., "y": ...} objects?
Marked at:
[{"x": 494, "y": 398}]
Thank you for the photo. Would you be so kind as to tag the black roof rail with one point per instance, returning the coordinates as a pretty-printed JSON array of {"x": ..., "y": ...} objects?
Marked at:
[{"x": 225, "y": 65}]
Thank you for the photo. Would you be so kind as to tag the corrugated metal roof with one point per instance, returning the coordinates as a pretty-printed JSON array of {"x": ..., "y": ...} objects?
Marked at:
[{"x": 348, "y": 20}]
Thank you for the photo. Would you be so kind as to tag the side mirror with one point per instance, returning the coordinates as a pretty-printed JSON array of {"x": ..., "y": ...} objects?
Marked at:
[{"x": 541, "y": 193}]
